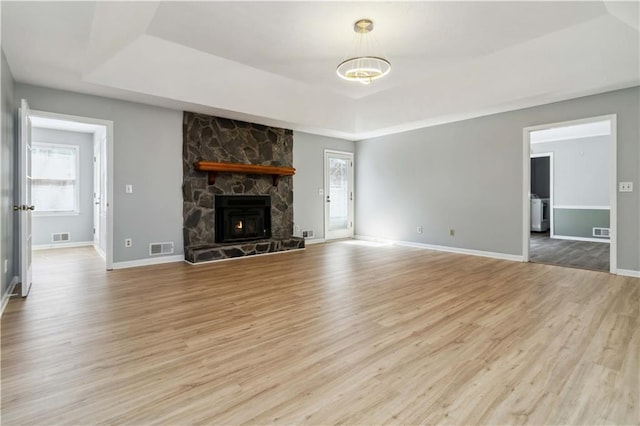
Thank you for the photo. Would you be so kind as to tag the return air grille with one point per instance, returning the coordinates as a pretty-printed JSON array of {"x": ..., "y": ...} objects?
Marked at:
[
  {"x": 601, "y": 232},
  {"x": 61, "y": 237},
  {"x": 160, "y": 248}
]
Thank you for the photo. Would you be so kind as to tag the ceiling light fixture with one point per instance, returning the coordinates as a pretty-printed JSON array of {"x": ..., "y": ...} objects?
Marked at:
[{"x": 363, "y": 66}]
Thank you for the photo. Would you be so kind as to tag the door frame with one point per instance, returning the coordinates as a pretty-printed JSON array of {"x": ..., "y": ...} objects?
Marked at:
[
  {"x": 351, "y": 214},
  {"x": 550, "y": 155},
  {"x": 613, "y": 177},
  {"x": 108, "y": 124}
]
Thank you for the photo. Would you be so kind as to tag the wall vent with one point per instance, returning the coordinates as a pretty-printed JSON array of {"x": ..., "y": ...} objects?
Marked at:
[
  {"x": 160, "y": 248},
  {"x": 61, "y": 237},
  {"x": 601, "y": 232},
  {"x": 307, "y": 234}
]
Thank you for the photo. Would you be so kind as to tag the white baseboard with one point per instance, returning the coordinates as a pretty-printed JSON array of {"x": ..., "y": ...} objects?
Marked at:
[
  {"x": 243, "y": 257},
  {"x": 592, "y": 240},
  {"x": 312, "y": 241},
  {"x": 62, "y": 245},
  {"x": 493, "y": 255},
  {"x": 628, "y": 273},
  {"x": 149, "y": 261},
  {"x": 99, "y": 251},
  {"x": 7, "y": 294}
]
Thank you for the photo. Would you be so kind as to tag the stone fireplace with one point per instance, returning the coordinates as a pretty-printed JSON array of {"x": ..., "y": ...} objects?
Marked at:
[{"x": 206, "y": 200}]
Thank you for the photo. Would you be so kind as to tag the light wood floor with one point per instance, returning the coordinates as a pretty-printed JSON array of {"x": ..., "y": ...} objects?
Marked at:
[{"x": 339, "y": 333}]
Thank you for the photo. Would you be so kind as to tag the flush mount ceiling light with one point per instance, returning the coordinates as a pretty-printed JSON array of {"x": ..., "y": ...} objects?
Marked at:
[{"x": 363, "y": 66}]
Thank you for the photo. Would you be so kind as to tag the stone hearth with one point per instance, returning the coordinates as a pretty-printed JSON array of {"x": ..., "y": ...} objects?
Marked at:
[{"x": 207, "y": 138}]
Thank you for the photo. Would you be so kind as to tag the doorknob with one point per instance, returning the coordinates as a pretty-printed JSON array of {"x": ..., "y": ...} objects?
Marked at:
[
  {"x": 328, "y": 199},
  {"x": 16, "y": 208},
  {"x": 30, "y": 207}
]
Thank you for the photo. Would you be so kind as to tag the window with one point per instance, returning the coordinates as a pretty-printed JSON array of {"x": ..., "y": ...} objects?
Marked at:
[{"x": 54, "y": 183}]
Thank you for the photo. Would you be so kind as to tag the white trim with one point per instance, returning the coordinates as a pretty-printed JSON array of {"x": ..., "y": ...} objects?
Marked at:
[
  {"x": 583, "y": 207},
  {"x": 98, "y": 250},
  {"x": 628, "y": 273},
  {"x": 613, "y": 178},
  {"x": 457, "y": 250},
  {"x": 242, "y": 257},
  {"x": 312, "y": 241},
  {"x": 613, "y": 195},
  {"x": 62, "y": 245},
  {"x": 7, "y": 294},
  {"x": 570, "y": 238},
  {"x": 110, "y": 160},
  {"x": 147, "y": 262}
]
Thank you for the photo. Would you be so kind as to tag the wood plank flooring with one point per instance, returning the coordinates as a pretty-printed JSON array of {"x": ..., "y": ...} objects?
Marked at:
[
  {"x": 340, "y": 333},
  {"x": 574, "y": 254}
]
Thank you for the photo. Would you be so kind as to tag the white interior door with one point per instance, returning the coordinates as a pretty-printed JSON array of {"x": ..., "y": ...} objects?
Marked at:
[
  {"x": 25, "y": 208},
  {"x": 338, "y": 173}
]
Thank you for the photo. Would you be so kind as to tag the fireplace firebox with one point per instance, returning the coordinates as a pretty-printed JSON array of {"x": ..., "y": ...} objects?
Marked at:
[{"x": 242, "y": 218}]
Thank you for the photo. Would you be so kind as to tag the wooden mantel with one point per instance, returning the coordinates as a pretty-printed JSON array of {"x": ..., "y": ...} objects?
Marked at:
[{"x": 251, "y": 169}]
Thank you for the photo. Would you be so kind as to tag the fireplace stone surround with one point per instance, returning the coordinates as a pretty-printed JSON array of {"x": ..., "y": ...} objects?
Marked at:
[{"x": 208, "y": 138}]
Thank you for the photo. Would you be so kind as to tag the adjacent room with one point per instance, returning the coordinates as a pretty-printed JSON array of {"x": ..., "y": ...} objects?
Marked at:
[{"x": 320, "y": 212}]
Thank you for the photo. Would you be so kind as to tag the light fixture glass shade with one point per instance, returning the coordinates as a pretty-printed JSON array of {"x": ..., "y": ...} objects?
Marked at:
[
  {"x": 363, "y": 66},
  {"x": 364, "y": 69}
]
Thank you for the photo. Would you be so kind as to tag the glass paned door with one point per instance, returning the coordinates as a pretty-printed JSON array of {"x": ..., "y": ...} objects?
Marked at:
[{"x": 338, "y": 195}]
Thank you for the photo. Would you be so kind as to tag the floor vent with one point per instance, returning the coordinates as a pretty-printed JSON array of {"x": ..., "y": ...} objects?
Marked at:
[
  {"x": 307, "y": 234},
  {"x": 160, "y": 248},
  {"x": 61, "y": 237},
  {"x": 601, "y": 232}
]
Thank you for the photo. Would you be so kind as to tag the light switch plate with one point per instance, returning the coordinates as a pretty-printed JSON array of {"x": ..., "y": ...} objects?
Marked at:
[
  {"x": 129, "y": 189},
  {"x": 625, "y": 186},
  {"x": 320, "y": 191}
]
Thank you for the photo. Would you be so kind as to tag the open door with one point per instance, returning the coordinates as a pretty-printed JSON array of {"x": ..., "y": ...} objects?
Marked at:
[{"x": 24, "y": 208}]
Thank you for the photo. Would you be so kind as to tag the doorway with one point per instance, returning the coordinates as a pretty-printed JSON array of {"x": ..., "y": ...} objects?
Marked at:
[
  {"x": 338, "y": 190},
  {"x": 569, "y": 214},
  {"x": 70, "y": 185}
]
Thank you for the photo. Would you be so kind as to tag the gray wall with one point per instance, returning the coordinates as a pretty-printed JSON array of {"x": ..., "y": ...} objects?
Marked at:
[
  {"x": 308, "y": 159},
  {"x": 579, "y": 222},
  {"x": 581, "y": 170},
  {"x": 147, "y": 154},
  {"x": 80, "y": 226},
  {"x": 7, "y": 154},
  {"x": 467, "y": 175}
]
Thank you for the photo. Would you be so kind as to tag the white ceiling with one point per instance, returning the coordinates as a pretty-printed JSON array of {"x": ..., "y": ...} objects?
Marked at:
[{"x": 274, "y": 62}]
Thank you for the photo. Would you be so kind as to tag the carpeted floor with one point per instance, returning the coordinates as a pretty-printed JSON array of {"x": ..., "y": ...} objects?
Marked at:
[{"x": 575, "y": 254}]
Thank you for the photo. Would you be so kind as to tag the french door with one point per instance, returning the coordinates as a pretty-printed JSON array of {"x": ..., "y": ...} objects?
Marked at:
[{"x": 338, "y": 191}]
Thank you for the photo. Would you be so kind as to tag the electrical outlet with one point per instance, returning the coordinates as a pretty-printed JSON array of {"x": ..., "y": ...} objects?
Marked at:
[
  {"x": 452, "y": 232},
  {"x": 419, "y": 229},
  {"x": 128, "y": 242},
  {"x": 625, "y": 186}
]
